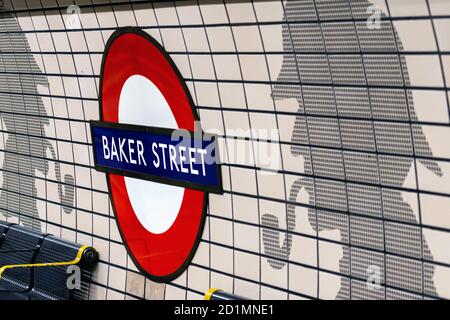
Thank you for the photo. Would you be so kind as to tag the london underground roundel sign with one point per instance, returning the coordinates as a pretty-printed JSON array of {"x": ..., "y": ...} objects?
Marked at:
[{"x": 158, "y": 184}]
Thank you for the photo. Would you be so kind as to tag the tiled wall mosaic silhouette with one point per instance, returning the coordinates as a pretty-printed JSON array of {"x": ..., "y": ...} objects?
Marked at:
[{"x": 361, "y": 188}]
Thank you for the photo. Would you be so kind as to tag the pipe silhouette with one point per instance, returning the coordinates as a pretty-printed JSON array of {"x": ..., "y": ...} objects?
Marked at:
[{"x": 67, "y": 196}]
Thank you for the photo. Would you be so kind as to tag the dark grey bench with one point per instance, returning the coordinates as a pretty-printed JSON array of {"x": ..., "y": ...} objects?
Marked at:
[{"x": 33, "y": 266}]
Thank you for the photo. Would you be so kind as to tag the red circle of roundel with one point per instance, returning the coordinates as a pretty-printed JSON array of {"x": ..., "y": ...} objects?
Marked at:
[{"x": 162, "y": 257}]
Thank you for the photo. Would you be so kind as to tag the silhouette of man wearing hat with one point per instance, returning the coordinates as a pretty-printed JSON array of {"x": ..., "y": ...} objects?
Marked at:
[
  {"x": 24, "y": 121},
  {"x": 354, "y": 130}
]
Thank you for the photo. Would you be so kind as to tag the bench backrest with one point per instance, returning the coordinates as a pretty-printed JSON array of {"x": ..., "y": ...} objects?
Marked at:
[
  {"x": 18, "y": 238},
  {"x": 52, "y": 281},
  {"x": 4, "y": 226}
]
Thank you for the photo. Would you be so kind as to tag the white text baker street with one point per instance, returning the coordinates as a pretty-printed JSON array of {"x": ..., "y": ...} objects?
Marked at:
[{"x": 169, "y": 157}]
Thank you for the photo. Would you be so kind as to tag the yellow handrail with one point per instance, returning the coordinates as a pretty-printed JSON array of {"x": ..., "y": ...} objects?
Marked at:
[
  {"x": 209, "y": 293},
  {"x": 46, "y": 264}
]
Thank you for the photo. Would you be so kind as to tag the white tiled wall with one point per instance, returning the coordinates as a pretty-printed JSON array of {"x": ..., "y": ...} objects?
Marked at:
[{"x": 231, "y": 54}]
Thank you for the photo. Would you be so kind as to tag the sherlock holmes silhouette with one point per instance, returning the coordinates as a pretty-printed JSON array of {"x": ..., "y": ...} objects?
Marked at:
[
  {"x": 24, "y": 120},
  {"x": 355, "y": 134}
]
